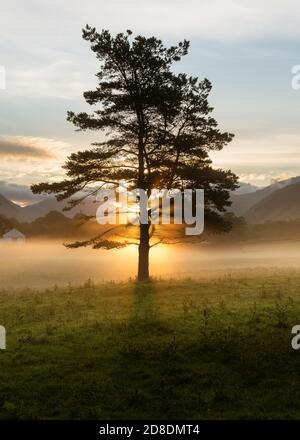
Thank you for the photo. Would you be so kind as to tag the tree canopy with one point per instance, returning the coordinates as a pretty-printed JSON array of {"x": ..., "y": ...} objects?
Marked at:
[{"x": 157, "y": 132}]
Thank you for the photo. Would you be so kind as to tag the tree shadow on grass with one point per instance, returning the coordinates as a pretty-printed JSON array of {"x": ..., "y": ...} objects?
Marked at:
[
  {"x": 143, "y": 306},
  {"x": 142, "y": 366}
]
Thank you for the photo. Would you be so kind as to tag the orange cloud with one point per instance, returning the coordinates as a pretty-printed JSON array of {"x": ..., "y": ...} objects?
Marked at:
[{"x": 23, "y": 148}]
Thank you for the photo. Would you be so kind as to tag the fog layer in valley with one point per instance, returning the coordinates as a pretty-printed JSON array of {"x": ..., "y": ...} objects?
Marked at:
[{"x": 44, "y": 264}]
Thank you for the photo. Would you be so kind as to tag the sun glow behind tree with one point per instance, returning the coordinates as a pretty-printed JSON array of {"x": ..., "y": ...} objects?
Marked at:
[{"x": 160, "y": 132}]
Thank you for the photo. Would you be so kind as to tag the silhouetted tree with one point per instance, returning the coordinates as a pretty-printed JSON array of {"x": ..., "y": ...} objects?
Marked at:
[
  {"x": 6, "y": 224},
  {"x": 159, "y": 132}
]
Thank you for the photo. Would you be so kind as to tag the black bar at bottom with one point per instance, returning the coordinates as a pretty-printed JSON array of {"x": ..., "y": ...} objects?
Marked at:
[{"x": 142, "y": 429}]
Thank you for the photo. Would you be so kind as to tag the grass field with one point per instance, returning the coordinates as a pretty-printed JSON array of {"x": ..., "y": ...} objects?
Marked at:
[{"x": 214, "y": 349}]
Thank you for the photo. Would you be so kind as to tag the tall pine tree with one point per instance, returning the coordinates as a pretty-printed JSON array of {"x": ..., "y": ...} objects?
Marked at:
[{"x": 159, "y": 131}]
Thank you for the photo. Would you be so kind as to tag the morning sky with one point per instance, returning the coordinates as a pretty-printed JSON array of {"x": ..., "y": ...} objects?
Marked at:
[{"x": 245, "y": 47}]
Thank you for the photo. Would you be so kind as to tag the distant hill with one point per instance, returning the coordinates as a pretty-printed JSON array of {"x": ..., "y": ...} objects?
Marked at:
[
  {"x": 52, "y": 226},
  {"x": 245, "y": 188},
  {"x": 241, "y": 203},
  {"x": 282, "y": 204},
  {"x": 6, "y": 224},
  {"x": 40, "y": 209},
  {"x": 243, "y": 200},
  {"x": 9, "y": 209}
]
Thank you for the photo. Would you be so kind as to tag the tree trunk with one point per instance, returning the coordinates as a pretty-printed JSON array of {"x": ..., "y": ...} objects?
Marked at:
[{"x": 143, "y": 269}]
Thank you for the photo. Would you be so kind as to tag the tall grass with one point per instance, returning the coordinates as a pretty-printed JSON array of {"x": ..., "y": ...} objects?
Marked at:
[{"x": 210, "y": 349}]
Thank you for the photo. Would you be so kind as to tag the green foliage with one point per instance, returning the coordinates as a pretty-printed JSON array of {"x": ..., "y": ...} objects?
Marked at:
[{"x": 6, "y": 224}]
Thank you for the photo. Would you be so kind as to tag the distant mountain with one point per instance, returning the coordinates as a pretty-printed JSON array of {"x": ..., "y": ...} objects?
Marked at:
[
  {"x": 246, "y": 197},
  {"x": 245, "y": 188},
  {"x": 32, "y": 212},
  {"x": 40, "y": 209},
  {"x": 52, "y": 224},
  {"x": 20, "y": 194},
  {"x": 281, "y": 204},
  {"x": 241, "y": 203},
  {"x": 56, "y": 225},
  {"x": 9, "y": 209}
]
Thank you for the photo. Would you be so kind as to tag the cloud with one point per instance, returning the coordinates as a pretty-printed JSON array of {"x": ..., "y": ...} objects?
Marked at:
[
  {"x": 59, "y": 63},
  {"x": 269, "y": 177},
  {"x": 212, "y": 19},
  {"x": 23, "y": 148},
  {"x": 26, "y": 160},
  {"x": 260, "y": 160},
  {"x": 261, "y": 151},
  {"x": 64, "y": 79}
]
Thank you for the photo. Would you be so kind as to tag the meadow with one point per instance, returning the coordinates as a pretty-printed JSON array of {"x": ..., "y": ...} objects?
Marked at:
[{"x": 218, "y": 348}]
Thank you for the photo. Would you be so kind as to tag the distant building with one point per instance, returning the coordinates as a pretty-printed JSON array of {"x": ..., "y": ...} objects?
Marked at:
[{"x": 13, "y": 235}]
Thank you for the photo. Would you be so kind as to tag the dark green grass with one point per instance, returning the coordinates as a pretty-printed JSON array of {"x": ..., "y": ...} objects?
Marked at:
[{"x": 215, "y": 349}]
